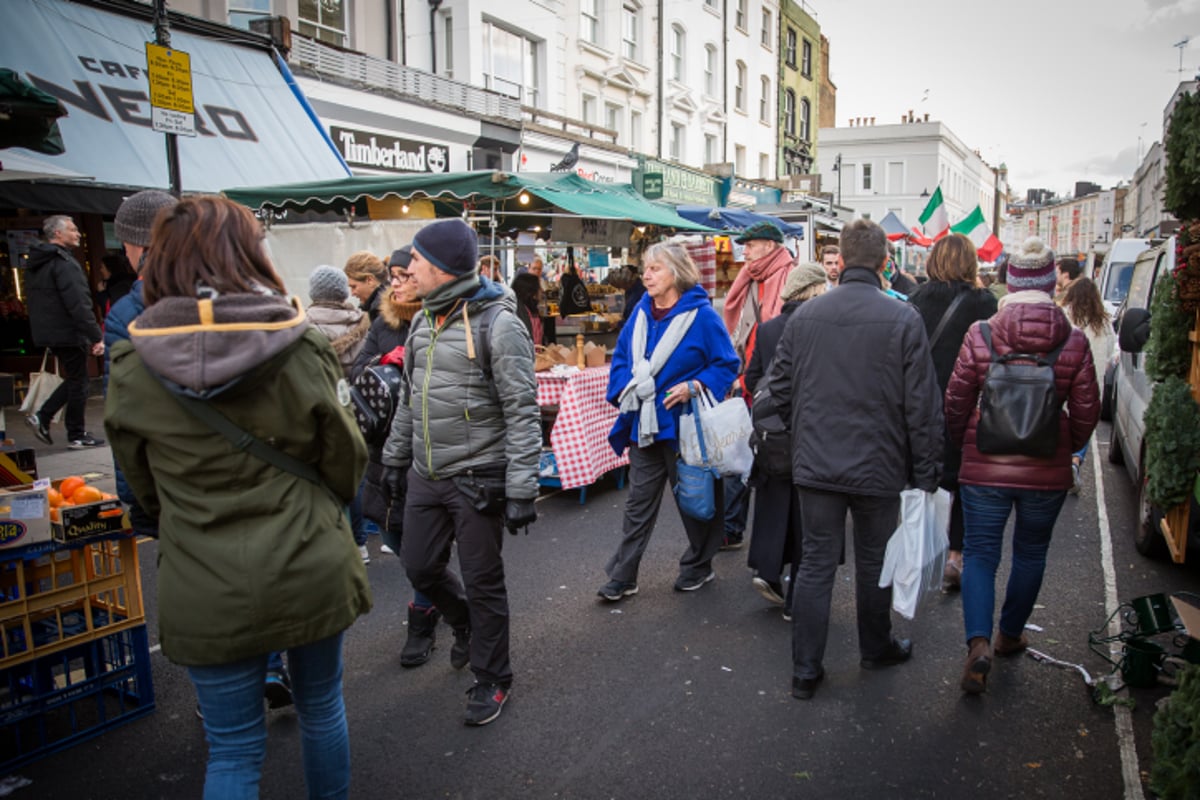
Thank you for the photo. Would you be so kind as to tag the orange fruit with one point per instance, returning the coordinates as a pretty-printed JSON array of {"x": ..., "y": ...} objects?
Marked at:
[
  {"x": 55, "y": 516},
  {"x": 69, "y": 484},
  {"x": 55, "y": 497},
  {"x": 87, "y": 494}
]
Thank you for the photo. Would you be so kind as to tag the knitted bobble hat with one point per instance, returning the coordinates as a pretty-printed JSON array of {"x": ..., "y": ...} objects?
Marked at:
[
  {"x": 450, "y": 245},
  {"x": 136, "y": 215},
  {"x": 328, "y": 284},
  {"x": 1032, "y": 267}
]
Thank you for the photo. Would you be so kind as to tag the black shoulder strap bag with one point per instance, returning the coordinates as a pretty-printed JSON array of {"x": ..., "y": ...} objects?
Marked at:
[{"x": 945, "y": 320}]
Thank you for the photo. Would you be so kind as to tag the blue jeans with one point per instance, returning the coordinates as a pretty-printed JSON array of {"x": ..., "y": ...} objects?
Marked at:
[
  {"x": 231, "y": 697},
  {"x": 357, "y": 520},
  {"x": 985, "y": 513},
  {"x": 737, "y": 509}
]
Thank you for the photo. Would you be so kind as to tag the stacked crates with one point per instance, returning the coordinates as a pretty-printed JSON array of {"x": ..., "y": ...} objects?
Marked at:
[{"x": 74, "y": 655}]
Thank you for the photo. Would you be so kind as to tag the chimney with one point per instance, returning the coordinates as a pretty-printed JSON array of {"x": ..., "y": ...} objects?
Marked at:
[
  {"x": 910, "y": 115},
  {"x": 872, "y": 120},
  {"x": 927, "y": 116},
  {"x": 902, "y": 119}
]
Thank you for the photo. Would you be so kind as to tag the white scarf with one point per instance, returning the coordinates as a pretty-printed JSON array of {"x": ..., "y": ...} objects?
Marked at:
[{"x": 641, "y": 387}]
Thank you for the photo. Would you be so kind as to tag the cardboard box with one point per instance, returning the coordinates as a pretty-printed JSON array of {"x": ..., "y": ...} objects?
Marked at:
[
  {"x": 18, "y": 467},
  {"x": 90, "y": 521},
  {"x": 24, "y": 516}
]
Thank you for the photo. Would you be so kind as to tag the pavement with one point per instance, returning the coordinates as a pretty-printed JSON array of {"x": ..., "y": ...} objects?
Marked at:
[
  {"x": 680, "y": 695},
  {"x": 94, "y": 464}
]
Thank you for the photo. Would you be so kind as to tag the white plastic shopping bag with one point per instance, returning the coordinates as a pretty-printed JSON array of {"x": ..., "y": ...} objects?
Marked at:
[
  {"x": 41, "y": 385},
  {"x": 916, "y": 553},
  {"x": 727, "y": 428}
]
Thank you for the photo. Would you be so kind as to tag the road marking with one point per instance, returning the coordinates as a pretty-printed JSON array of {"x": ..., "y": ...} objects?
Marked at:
[{"x": 1121, "y": 715}]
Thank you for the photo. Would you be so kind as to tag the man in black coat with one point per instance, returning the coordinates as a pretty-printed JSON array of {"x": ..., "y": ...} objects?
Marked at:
[
  {"x": 854, "y": 376},
  {"x": 62, "y": 319}
]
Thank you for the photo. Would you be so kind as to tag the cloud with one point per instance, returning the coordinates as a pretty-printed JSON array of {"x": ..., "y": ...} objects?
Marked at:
[
  {"x": 1167, "y": 10},
  {"x": 1117, "y": 166}
]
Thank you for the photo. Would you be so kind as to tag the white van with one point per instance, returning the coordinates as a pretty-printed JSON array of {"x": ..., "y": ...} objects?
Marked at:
[{"x": 1117, "y": 271}]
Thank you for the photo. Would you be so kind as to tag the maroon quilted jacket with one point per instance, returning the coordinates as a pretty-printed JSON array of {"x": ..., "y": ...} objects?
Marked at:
[{"x": 1025, "y": 327}]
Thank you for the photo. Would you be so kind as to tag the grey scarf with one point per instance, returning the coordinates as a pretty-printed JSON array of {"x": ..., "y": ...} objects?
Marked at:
[{"x": 638, "y": 394}]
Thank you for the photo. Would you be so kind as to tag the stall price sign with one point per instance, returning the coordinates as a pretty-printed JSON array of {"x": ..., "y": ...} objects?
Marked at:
[{"x": 171, "y": 104}]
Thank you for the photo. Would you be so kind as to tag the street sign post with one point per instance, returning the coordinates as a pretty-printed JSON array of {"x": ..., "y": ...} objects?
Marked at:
[{"x": 171, "y": 104}]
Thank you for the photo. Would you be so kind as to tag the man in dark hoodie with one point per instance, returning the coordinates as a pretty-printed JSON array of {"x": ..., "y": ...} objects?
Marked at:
[
  {"x": 62, "y": 319},
  {"x": 470, "y": 429}
]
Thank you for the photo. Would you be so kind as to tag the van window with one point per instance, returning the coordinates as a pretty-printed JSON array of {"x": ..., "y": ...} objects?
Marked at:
[
  {"x": 1119, "y": 277},
  {"x": 1141, "y": 288}
]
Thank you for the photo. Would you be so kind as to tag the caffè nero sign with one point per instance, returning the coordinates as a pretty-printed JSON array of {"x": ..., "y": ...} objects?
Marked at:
[{"x": 380, "y": 152}]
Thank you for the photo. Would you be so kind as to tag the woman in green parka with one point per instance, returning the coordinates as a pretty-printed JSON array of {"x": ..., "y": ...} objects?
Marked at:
[{"x": 252, "y": 557}]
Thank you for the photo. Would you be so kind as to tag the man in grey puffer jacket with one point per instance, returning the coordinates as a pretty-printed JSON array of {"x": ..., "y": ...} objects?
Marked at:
[{"x": 470, "y": 429}]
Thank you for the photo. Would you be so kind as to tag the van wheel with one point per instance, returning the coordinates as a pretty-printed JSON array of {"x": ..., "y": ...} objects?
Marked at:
[
  {"x": 1148, "y": 536},
  {"x": 1115, "y": 456}
]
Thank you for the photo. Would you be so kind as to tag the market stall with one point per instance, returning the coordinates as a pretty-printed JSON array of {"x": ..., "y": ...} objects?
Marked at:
[{"x": 579, "y": 453}]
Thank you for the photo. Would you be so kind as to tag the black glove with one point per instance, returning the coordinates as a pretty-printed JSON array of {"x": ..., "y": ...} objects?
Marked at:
[
  {"x": 519, "y": 514},
  {"x": 393, "y": 481}
]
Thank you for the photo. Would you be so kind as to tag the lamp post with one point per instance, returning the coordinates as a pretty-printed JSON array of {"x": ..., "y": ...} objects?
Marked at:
[{"x": 837, "y": 167}]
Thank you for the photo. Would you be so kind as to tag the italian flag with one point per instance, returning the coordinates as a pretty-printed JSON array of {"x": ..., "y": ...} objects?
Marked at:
[
  {"x": 975, "y": 228},
  {"x": 934, "y": 219}
]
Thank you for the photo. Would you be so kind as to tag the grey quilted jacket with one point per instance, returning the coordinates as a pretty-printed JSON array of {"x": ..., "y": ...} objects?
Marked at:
[{"x": 455, "y": 419}]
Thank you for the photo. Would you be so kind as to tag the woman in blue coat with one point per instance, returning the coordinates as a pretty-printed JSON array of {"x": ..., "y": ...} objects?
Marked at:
[{"x": 674, "y": 345}]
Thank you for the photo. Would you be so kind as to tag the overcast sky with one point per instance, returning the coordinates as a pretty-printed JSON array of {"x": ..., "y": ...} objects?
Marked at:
[{"x": 1058, "y": 90}]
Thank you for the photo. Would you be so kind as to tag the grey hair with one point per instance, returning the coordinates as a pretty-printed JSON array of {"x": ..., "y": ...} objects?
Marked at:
[
  {"x": 675, "y": 256},
  {"x": 54, "y": 224}
]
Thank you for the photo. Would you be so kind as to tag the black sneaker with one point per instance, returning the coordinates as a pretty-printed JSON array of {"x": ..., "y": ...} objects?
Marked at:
[
  {"x": 615, "y": 590},
  {"x": 460, "y": 651},
  {"x": 40, "y": 429},
  {"x": 730, "y": 542},
  {"x": 690, "y": 583},
  {"x": 485, "y": 700},
  {"x": 278, "y": 689},
  {"x": 84, "y": 442}
]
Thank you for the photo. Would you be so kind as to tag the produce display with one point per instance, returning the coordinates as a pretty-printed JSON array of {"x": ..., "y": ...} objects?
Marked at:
[{"x": 73, "y": 491}]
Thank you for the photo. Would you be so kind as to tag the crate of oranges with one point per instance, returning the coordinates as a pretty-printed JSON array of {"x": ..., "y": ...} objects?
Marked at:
[{"x": 80, "y": 512}]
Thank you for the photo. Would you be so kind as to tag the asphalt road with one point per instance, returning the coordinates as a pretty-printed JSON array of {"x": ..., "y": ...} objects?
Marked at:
[{"x": 671, "y": 695}]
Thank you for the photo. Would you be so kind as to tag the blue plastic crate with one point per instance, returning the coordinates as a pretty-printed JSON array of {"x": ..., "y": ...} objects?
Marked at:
[{"x": 58, "y": 700}]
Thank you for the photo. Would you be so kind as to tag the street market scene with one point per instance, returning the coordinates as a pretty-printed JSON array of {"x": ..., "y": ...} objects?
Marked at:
[{"x": 598, "y": 400}]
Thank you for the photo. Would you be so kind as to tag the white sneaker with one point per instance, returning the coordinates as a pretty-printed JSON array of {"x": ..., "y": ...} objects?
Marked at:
[
  {"x": 383, "y": 548},
  {"x": 366, "y": 555},
  {"x": 1076, "y": 479}
]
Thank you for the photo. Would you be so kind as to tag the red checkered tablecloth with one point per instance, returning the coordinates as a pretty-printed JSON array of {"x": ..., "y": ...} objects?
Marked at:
[{"x": 580, "y": 434}]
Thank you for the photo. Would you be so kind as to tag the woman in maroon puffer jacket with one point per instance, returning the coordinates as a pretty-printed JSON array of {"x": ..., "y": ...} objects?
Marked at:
[{"x": 991, "y": 485}]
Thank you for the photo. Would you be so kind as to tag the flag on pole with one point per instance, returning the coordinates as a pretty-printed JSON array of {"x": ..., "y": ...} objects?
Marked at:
[
  {"x": 934, "y": 218},
  {"x": 975, "y": 228}
]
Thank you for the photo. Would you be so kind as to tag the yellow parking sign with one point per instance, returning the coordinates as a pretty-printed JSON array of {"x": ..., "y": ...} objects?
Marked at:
[{"x": 170, "y": 75}]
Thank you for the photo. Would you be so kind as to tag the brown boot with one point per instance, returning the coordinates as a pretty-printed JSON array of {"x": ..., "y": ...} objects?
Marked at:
[
  {"x": 979, "y": 663},
  {"x": 1008, "y": 646},
  {"x": 952, "y": 573}
]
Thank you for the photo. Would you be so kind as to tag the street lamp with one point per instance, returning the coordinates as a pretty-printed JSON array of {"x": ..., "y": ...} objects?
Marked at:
[{"x": 837, "y": 167}]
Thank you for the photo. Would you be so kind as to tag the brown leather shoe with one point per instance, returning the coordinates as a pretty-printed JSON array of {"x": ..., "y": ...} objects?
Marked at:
[
  {"x": 1008, "y": 646},
  {"x": 979, "y": 664}
]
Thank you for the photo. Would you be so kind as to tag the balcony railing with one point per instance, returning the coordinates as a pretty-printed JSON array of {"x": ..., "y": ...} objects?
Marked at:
[{"x": 379, "y": 73}]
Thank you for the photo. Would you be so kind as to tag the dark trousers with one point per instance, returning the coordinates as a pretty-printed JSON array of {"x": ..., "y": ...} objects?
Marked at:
[
  {"x": 72, "y": 392},
  {"x": 651, "y": 470},
  {"x": 436, "y": 515},
  {"x": 823, "y": 520},
  {"x": 776, "y": 538},
  {"x": 737, "y": 506}
]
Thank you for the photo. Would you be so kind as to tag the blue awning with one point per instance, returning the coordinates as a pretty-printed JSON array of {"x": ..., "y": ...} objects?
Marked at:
[
  {"x": 253, "y": 129},
  {"x": 735, "y": 219}
]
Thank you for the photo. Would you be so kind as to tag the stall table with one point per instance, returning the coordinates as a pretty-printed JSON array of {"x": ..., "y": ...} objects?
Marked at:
[{"x": 579, "y": 437}]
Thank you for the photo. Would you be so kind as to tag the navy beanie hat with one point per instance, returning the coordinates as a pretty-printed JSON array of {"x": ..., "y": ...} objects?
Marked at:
[{"x": 450, "y": 245}]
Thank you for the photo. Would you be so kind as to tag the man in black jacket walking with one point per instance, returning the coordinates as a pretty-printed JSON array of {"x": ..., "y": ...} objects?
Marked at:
[
  {"x": 854, "y": 376},
  {"x": 62, "y": 319}
]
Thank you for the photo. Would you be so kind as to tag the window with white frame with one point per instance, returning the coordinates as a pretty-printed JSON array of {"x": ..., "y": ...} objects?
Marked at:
[
  {"x": 764, "y": 100},
  {"x": 768, "y": 25},
  {"x": 587, "y": 108},
  {"x": 242, "y": 11},
  {"x": 324, "y": 20},
  {"x": 677, "y": 140},
  {"x": 678, "y": 43},
  {"x": 764, "y": 166},
  {"x": 866, "y": 177},
  {"x": 806, "y": 59},
  {"x": 711, "y": 154},
  {"x": 710, "y": 70},
  {"x": 739, "y": 15},
  {"x": 510, "y": 64},
  {"x": 805, "y": 120},
  {"x": 789, "y": 112},
  {"x": 613, "y": 116},
  {"x": 789, "y": 53},
  {"x": 739, "y": 88},
  {"x": 635, "y": 130},
  {"x": 448, "y": 51},
  {"x": 739, "y": 159},
  {"x": 630, "y": 20},
  {"x": 589, "y": 21},
  {"x": 713, "y": 4}
]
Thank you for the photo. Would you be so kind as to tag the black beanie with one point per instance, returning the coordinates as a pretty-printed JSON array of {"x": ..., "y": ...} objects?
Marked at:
[{"x": 450, "y": 245}]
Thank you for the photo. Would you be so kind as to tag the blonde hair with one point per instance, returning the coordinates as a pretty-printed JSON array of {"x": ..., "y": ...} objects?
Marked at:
[
  {"x": 364, "y": 265},
  {"x": 675, "y": 257}
]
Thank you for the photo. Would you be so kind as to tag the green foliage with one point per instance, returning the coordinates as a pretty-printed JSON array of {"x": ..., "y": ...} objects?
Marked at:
[
  {"x": 1176, "y": 741},
  {"x": 1172, "y": 443},
  {"x": 1168, "y": 352},
  {"x": 1182, "y": 196}
]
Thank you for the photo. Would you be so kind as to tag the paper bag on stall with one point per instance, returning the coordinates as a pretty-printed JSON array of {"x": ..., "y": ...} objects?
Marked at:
[{"x": 593, "y": 354}]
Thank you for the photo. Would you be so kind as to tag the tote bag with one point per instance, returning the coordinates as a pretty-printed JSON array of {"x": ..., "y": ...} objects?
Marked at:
[
  {"x": 727, "y": 429},
  {"x": 41, "y": 385},
  {"x": 695, "y": 489}
]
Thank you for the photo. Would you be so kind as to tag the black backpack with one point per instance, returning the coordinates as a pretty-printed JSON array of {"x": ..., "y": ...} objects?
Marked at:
[
  {"x": 1019, "y": 406},
  {"x": 374, "y": 393},
  {"x": 771, "y": 438}
]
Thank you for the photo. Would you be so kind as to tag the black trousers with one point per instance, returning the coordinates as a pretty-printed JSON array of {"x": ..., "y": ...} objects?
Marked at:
[
  {"x": 436, "y": 515},
  {"x": 776, "y": 538},
  {"x": 72, "y": 392}
]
